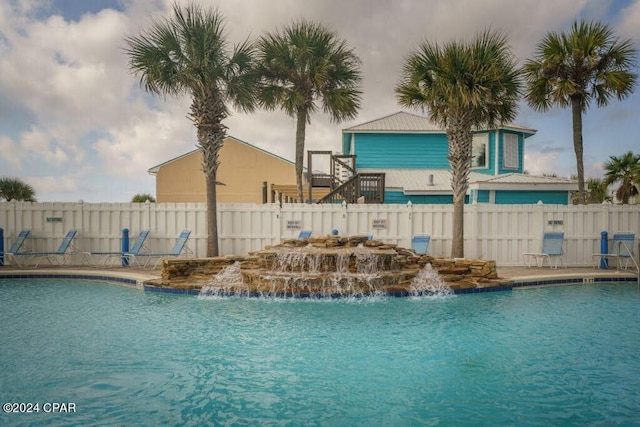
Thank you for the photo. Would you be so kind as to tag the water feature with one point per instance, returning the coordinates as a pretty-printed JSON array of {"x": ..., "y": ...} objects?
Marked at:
[
  {"x": 328, "y": 266},
  {"x": 328, "y": 271},
  {"x": 429, "y": 282}
]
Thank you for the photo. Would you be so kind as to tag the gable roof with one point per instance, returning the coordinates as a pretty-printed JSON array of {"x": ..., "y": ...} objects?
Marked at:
[
  {"x": 409, "y": 123},
  {"x": 519, "y": 178},
  {"x": 518, "y": 181},
  {"x": 418, "y": 181},
  {"x": 154, "y": 169},
  {"x": 397, "y": 122}
]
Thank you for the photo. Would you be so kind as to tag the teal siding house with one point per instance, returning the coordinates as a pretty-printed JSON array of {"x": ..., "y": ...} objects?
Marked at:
[{"x": 412, "y": 153}]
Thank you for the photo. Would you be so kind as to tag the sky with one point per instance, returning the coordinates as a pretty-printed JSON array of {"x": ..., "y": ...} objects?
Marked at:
[{"x": 76, "y": 125}]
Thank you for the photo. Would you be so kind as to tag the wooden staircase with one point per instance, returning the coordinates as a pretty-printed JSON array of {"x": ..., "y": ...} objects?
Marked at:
[{"x": 344, "y": 183}]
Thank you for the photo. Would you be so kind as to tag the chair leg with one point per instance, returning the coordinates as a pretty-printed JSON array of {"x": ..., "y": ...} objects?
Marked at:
[
  {"x": 133, "y": 261},
  {"x": 626, "y": 263}
]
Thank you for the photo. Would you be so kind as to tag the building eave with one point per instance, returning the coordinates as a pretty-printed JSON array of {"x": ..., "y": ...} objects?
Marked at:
[
  {"x": 426, "y": 192},
  {"x": 523, "y": 186},
  {"x": 155, "y": 169},
  {"x": 409, "y": 123}
]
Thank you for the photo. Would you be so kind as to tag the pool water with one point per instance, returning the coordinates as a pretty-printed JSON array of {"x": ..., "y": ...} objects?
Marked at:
[{"x": 550, "y": 356}]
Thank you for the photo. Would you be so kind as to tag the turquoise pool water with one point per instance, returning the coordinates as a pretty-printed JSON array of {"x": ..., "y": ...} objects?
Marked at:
[{"x": 550, "y": 356}]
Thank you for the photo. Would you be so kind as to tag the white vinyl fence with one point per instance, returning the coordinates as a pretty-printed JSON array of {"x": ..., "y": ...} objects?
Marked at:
[{"x": 498, "y": 232}]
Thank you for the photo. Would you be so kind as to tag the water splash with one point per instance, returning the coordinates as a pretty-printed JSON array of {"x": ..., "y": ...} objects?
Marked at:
[
  {"x": 320, "y": 284},
  {"x": 429, "y": 283},
  {"x": 224, "y": 283},
  {"x": 295, "y": 274}
]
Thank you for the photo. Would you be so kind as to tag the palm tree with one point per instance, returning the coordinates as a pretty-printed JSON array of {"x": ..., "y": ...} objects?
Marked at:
[
  {"x": 142, "y": 198},
  {"x": 624, "y": 170},
  {"x": 301, "y": 66},
  {"x": 572, "y": 69},
  {"x": 464, "y": 85},
  {"x": 598, "y": 190},
  {"x": 188, "y": 53},
  {"x": 16, "y": 189}
]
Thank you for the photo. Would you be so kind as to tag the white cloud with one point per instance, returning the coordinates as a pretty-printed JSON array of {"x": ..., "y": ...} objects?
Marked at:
[
  {"x": 66, "y": 76},
  {"x": 630, "y": 23},
  {"x": 593, "y": 170},
  {"x": 34, "y": 140},
  {"x": 542, "y": 163},
  {"x": 11, "y": 153},
  {"x": 148, "y": 138},
  {"x": 78, "y": 108}
]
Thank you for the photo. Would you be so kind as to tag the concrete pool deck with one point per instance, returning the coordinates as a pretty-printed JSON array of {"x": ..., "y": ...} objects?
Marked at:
[
  {"x": 130, "y": 277},
  {"x": 519, "y": 275}
]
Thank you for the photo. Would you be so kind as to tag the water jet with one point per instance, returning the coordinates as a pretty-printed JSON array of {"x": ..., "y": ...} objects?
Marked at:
[{"x": 329, "y": 266}]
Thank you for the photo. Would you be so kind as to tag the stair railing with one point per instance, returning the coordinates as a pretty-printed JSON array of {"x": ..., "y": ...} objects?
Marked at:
[{"x": 367, "y": 185}]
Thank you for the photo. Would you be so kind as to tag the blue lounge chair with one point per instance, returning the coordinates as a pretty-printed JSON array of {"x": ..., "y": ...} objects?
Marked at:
[
  {"x": 420, "y": 243},
  {"x": 111, "y": 258},
  {"x": 16, "y": 247},
  {"x": 178, "y": 249},
  {"x": 621, "y": 249},
  {"x": 58, "y": 257},
  {"x": 552, "y": 247},
  {"x": 304, "y": 234}
]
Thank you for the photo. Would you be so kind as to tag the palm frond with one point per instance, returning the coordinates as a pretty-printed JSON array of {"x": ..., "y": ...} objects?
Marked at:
[
  {"x": 586, "y": 62},
  {"x": 309, "y": 64},
  {"x": 477, "y": 79},
  {"x": 188, "y": 53},
  {"x": 16, "y": 189},
  {"x": 624, "y": 170}
]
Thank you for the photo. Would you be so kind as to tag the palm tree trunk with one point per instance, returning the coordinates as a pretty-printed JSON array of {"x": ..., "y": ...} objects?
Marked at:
[
  {"x": 301, "y": 124},
  {"x": 212, "y": 218},
  {"x": 207, "y": 113},
  {"x": 576, "y": 112},
  {"x": 460, "y": 142},
  {"x": 210, "y": 167}
]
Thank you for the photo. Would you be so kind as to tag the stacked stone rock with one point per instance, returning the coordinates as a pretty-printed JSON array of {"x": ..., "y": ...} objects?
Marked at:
[{"x": 398, "y": 266}]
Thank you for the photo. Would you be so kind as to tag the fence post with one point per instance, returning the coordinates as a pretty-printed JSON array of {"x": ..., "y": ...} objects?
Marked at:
[
  {"x": 278, "y": 212},
  {"x": 125, "y": 246},
  {"x": 80, "y": 212},
  {"x": 539, "y": 222},
  {"x": 408, "y": 239},
  {"x": 13, "y": 217},
  {"x": 471, "y": 233},
  {"x": 604, "y": 249},
  {"x": 344, "y": 223},
  {"x": 1, "y": 246},
  {"x": 147, "y": 205}
]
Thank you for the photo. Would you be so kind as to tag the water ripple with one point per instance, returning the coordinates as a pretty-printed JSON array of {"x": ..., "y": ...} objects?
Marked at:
[{"x": 552, "y": 356}]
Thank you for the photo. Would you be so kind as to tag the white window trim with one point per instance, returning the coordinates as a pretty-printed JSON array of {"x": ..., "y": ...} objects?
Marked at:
[
  {"x": 510, "y": 160},
  {"x": 485, "y": 136}
]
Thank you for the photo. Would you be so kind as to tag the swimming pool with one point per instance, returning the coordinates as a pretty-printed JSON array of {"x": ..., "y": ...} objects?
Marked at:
[{"x": 558, "y": 355}]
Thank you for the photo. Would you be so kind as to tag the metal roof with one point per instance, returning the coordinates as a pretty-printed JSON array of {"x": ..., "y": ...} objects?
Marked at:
[
  {"x": 407, "y": 122},
  {"x": 517, "y": 181},
  {"x": 519, "y": 178},
  {"x": 399, "y": 121},
  {"x": 419, "y": 181}
]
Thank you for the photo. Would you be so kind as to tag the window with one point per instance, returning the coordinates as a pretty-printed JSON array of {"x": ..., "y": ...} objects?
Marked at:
[
  {"x": 480, "y": 151},
  {"x": 510, "y": 151}
]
